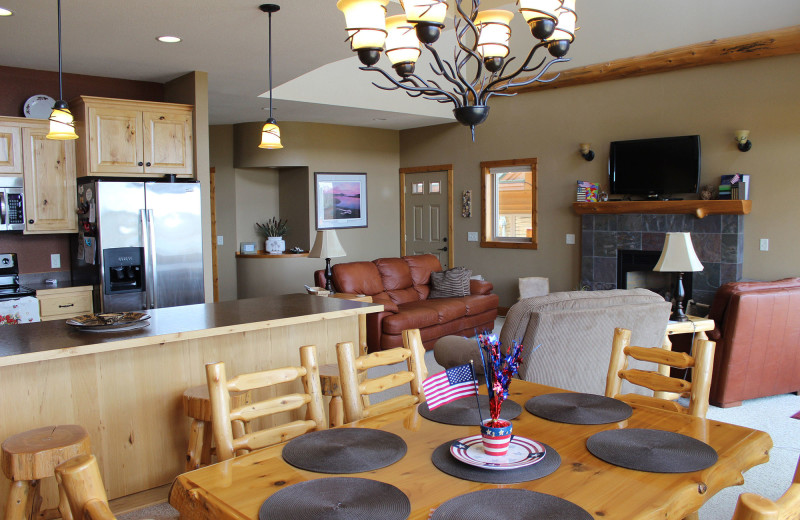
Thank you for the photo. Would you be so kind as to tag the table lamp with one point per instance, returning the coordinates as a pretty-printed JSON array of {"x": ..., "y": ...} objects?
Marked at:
[
  {"x": 679, "y": 257},
  {"x": 327, "y": 246}
]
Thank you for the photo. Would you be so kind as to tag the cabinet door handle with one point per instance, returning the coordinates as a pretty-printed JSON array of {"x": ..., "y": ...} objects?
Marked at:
[
  {"x": 30, "y": 221},
  {"x": 141, "y": 163},
  {"x": 67, "y": 305},
  {"x": 148, "y": 164}
]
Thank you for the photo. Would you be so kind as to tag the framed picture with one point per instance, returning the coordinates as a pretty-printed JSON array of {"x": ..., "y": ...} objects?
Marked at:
[{"x": 340, "y": 200}]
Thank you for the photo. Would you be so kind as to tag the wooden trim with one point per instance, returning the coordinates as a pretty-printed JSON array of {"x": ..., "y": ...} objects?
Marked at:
[
  {"x": 486, "y": 209},
  {"x": 699, "y": 208},
  {"x": 450, "y": 224},
  {"x": 212, "y": 187},
  {"x": 765, "y": 44}
]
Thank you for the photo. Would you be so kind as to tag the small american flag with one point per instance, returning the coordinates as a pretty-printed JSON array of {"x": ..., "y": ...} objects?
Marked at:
[{"x": 454, "y": 383}]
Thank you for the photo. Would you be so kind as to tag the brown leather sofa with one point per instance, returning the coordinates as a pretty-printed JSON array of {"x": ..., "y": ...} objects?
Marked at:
[
  {"x": 758, "y": 340},
  {"x": 402, "y": 286}
]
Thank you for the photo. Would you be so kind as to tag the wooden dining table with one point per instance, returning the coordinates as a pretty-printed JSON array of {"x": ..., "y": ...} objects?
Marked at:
[{"x": 235, "y": 489}]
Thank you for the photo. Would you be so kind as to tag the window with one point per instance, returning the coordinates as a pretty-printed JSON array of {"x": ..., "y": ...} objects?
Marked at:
[
  {"x": 418, "y": 188},
  {"x": 508, "y": 217}
]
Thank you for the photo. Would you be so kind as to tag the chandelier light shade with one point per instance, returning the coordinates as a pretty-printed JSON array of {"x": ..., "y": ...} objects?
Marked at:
[
  {"x": 270, "y": 133},
  {"x": 481, "y": 66},
  {"x": 62, "y": 124}
]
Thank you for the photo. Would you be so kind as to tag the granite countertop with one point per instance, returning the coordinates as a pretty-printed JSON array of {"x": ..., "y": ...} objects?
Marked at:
[{"x": 54, "y": 339}]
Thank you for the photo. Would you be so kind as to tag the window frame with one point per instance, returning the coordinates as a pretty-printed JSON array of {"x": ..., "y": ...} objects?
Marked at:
[{"x": 488, "y": 206}]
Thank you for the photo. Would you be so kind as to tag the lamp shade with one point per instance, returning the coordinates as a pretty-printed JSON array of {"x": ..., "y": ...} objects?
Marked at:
[
  {"x": 678, "y": 255},
  {"x": 366, "y": 22},
  {"x": 62, "y": 124},
  {"x": 327, "y": 245},
  {"x": 537, "y": 9},
  {"x": 270, "y": 135},
  {"x": 495, "y": 32},
  {"x": 427, "y": 11},
  {"x": 567, "y": 17},
  {"x": 402, "y": 45}
]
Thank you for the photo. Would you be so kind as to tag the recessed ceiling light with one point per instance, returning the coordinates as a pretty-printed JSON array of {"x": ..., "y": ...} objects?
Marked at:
[
  {"x": 168, "y": 39},
  {"x": 5, "y": 12}
]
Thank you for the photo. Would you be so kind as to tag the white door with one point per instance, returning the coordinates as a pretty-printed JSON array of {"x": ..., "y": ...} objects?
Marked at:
[{"x": 426, "y": 214}]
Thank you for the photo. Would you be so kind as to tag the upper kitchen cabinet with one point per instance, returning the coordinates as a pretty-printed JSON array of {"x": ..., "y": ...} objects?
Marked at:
[
  {"x": 133, "y": 138},
  {"x": 49, "y": 182},
  {"x": 10, "y": 147}
]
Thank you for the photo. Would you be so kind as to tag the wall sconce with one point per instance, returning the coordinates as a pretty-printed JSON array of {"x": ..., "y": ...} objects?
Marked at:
[
  {"x": 743, "y": 141},
  {"x": 586, "y": 151}
]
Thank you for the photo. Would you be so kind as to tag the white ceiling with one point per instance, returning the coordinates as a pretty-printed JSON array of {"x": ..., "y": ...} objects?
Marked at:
[{"x": 315, "y": 75}]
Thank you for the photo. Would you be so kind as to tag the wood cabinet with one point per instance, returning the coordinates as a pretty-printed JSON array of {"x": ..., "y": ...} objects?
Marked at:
[
  {"x": 48, "y": 170},
  {"x": 133, "y": 138},
  {"x": 60, "y": 303}
]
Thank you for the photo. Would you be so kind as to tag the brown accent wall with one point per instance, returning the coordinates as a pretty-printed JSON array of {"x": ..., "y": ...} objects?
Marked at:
[
  {"x": 18, "y": 84},
  {"x": 33, "y": 251}
]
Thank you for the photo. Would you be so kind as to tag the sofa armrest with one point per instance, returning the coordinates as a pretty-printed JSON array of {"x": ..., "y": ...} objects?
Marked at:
[
  {"x": 480, "y": 287},
  {"x": 388, "y": 304}
]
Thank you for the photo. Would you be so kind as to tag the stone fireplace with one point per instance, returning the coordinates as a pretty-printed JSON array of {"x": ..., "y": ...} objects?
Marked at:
[{"x": 717, "y": 239}]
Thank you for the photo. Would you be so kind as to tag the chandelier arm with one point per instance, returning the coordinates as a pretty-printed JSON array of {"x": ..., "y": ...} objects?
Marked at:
[
  {"x": 508, "y": 81},
  {"x": 471, "y": 51},
  {"x": 423, "y": 90},
  {"x": 524, "y": 67},
  {"x": 446, "y": 72}
]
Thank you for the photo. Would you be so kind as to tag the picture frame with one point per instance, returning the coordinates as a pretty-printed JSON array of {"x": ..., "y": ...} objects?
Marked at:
[{"x": 340, "y": 200}]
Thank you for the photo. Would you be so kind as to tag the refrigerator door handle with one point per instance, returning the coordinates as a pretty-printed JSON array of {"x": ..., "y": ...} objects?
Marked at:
[
  {"x": 151, "y": 231},
  {"x": 148, "y": 286}
]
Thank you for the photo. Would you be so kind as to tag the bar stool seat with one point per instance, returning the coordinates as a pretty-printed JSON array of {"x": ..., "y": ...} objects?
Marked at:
[
  {"x": 197, "y": 405},
  {"x": 30, "y": 456}
]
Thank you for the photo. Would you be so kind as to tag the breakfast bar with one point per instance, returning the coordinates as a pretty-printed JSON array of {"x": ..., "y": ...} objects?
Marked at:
[{"x": 125, "y": 386}]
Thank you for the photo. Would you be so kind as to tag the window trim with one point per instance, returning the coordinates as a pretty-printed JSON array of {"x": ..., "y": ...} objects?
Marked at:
[{"x": 487, "y": 206}]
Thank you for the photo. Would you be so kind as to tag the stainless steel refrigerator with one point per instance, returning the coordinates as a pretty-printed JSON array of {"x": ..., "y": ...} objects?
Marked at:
[{"x": 140, "y": 244}]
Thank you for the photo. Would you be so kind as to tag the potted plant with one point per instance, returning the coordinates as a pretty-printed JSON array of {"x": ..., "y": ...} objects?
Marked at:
[{"x": 273, "y": 231}]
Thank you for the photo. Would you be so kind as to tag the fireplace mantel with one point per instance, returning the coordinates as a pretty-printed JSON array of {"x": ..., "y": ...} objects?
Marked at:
[{"x": 699, "y": 208}]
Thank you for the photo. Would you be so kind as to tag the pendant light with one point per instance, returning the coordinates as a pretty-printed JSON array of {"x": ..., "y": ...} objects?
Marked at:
[
  {"x": 62, "y": 124},
  {"x": 270, "y": 133}
]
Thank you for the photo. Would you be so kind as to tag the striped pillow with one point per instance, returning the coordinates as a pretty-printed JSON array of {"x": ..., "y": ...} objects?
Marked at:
[{"x": 452, "y": 283}]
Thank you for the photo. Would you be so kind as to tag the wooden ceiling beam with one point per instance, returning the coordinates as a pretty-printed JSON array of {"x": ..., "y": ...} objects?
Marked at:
[{"x": 765, "y": 44}]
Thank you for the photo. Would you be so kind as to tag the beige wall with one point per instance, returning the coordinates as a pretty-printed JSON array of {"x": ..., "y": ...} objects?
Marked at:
[
  {"x": 292, "y": 186},
  {"x": 257, "y": 200},
  {"x": 760, "y": 95},
  {"x": 221, "y": 157}
]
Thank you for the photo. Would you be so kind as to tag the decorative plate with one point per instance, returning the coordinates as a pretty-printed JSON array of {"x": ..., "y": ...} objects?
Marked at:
[
  {"x": 108, "y": 320},
  {"x": 39, "y": 106},
  {"x": 521, "y": 452}
]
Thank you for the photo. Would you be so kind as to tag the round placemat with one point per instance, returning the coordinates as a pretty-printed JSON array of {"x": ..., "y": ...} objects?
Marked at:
[
  {"x": 515, "y": 504},
  {"x": 444, "y": 460},
  {"x": 464, "y": 412},
  {"x": 655, "y": 451},
  {"x": 344, "y": 450},
  {"x": 577, "y": 408},
  {"x": 337, "y": 498}
]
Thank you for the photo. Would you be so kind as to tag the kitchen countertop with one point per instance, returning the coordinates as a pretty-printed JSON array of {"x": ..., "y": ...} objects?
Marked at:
[{"x": 55, "y": 339}]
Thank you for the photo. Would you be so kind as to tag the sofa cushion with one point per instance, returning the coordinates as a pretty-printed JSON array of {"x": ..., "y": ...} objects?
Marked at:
[
  {"x": 395, "y": 273},
  {"x": 357, "y": 278},
  {"x": 449, "y": 309},
  {"x": 452, "y": 283},
  {"x": 410, "y": 316},
  {"x": 421, "y": 267},
  {"x": 478, "y": 303}
]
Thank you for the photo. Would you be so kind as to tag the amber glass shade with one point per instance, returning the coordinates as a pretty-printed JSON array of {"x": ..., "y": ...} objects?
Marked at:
[
  {"x": 402, "y": 45},
  {"x": 428, "y": 11},
  {"x": 270, "y": 136},
  {"x": 565, "y": 29},
  {"x": 366, "y": 22},
  {"x": 62, "y": 124},
  {"x": 495, "y": 32}
]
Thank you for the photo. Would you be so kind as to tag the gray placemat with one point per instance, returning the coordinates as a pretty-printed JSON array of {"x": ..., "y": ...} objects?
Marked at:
[
  {"x": 344, "y": 450},
  {"x": 656, "y": 451},
  {"x": 337, "y": 498},
  {"x": 464, "y": 412},
  {"x": 577, "y": 408},
  {"x": 444, "y": 460},
  {"x": 509, "y": 504}
]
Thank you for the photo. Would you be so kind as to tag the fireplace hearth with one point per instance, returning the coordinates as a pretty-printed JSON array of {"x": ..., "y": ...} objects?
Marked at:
[{"x": 717, "y": 239}]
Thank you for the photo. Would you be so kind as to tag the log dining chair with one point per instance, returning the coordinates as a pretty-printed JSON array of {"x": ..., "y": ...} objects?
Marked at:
[
  {"x": 412, "y": 352},
  {"x": 231, "y": 436},
  {"x": 80, "y": 479},
  {"x": 698, "y": 388},
  {"x": 755, "y": 507}
]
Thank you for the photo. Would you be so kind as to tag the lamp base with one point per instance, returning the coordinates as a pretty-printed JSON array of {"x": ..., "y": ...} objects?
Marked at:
[
  {"x": 328, "y": 276},
  {"x": 678, "y": 314}
]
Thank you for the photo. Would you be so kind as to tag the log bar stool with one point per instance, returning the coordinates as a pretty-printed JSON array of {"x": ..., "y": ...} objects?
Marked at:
[
  {"x": 197, "y": 405},
  {"x": 34, "y": 455}
]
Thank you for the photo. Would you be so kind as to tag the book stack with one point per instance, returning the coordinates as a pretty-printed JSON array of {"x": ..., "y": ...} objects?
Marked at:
[
  {"x": 734, "y": 187},
  {"x": 587, "y": 191}
]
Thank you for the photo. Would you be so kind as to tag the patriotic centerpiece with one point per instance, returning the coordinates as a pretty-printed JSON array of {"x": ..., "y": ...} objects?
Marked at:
[{"x": 499, "y": 368}]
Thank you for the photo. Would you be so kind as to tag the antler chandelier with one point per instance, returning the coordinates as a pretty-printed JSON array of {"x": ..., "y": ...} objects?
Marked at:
[{"x": 480, "y": 67}]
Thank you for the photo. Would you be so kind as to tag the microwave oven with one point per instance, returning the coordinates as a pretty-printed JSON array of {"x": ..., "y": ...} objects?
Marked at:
[{"x": 12, "y": 204}]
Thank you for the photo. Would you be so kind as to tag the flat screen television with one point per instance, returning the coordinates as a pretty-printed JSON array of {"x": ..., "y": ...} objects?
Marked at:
[{"x": 655, "y": 168}]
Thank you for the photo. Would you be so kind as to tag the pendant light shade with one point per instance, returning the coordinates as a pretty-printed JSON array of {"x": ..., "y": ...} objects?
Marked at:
[
  {"x": 270, "y": 133},
  {"x": 62, "y": 124}
]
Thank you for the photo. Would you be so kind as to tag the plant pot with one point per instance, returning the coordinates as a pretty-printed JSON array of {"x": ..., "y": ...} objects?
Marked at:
[
  {"x": 275, "y": 245},
  {"x": 496, "y": 437}
]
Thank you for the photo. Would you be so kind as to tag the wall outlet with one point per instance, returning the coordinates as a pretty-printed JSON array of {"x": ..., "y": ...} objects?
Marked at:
[
  {"x": 763, "y": 244},
  {"x": 55, "y": 261},
  {"x": 472, "y": 236},
  {"x": 219, "y": 240},
  {"x": 570, "y": 239}
]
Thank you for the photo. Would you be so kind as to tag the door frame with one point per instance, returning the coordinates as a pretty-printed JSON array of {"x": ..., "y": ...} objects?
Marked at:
[
  {"x": 212, "y": 187},
  {"x": 428, "y": 169}
]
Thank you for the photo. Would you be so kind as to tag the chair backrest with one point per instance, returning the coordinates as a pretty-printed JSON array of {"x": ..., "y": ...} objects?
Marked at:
[
  {"x": 756, "y": 507},
  {"x": 79, "y": 479},
  {"x": 701, "y": 364},
  {"x": 231, "y": 426},
  {"x": 412, "y": 352}
]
